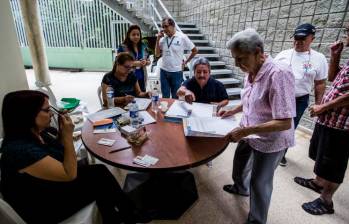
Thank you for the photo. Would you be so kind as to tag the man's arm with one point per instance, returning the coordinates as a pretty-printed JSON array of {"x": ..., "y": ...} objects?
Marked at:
[
  {"x": 341, "y": 101},
  {"x": 274, "y": 125},
  {"x": 319, "y": 89},
  {"x": 157, "y": 44},
  {"x": 336, "y": 51},
  {"x": 194, "y": 51}
]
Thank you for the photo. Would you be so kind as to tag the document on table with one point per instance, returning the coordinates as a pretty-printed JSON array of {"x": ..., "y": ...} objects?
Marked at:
[
  {"x": 105, "y": 114},
  {"x": 182, "y": 109},
  {"x": 209, "y": 126},
  {"x": 143, "y": 103},
  {"x": 147, "y": 118}
]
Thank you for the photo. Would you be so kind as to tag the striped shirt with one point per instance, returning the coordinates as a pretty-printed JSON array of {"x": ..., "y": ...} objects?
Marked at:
[{"x": 337, "y": 118}]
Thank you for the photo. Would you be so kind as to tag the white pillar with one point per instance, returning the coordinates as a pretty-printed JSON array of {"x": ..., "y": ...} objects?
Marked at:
[
  {"x": 12, "y": 73},
  {"x": 35, "y": 37}
]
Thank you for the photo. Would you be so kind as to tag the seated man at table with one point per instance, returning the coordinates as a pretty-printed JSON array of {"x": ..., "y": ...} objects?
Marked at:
[{"x": 202, "y": 87}]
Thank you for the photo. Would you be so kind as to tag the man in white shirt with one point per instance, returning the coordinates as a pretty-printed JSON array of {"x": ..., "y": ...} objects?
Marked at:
[
  {"x": 172, "y": 47},
  {"x": 309, "y": 68}
]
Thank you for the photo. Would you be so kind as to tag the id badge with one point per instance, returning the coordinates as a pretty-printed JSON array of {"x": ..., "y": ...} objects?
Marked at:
[{"x": 167, "y": 53}]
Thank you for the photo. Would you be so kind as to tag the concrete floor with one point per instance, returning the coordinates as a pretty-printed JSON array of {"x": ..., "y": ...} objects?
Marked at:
[{"x": 214, "y": 205}]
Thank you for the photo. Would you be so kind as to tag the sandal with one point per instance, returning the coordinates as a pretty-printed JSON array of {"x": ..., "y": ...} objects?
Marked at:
[
  {"x": 232, "y": 189},
  {"x": 318, "y": 207},
  {"x": 308, "y": 183}
]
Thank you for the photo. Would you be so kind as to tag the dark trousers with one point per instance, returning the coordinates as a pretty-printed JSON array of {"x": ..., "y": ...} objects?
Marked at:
[
  {"x": 53, "y": 202},
  {"x": 302, "y": 103},
  {"x": 253, "y": 173}
]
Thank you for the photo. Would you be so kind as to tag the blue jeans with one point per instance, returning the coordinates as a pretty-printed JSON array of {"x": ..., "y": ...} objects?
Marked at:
[{"x": 170, "y": 83}]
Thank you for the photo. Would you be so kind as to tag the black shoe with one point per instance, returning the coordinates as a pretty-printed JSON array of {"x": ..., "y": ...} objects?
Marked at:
[
  {"x": 318, "y": 207},
  {"x": 283, "y": 161},
  {"x": 232, "y": 189}
]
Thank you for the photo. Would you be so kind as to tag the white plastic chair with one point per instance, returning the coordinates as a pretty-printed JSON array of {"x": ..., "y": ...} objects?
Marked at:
[
  {"x": 87, "y": 215},
  {"x": 99, "y": 94}
]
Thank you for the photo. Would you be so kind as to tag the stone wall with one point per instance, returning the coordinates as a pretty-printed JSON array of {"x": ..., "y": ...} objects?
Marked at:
[{"x": 275, "y": 20}]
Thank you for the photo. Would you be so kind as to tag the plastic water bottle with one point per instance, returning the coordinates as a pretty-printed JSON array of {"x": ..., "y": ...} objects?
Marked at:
[
  {"x": 155, "y": 100},
  {"x": 110, "y": 96},
  {"x": 134, "y": 116}
]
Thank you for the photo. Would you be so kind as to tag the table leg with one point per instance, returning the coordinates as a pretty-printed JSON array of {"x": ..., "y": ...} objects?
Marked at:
[{"x": 164, "y": 195}]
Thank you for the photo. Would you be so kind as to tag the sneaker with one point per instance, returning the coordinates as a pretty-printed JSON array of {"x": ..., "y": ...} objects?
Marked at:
[{"x": 283, "y": 161}]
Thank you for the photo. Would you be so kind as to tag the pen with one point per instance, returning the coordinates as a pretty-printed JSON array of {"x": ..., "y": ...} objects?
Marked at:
[
  {"x": 117, "y": 150},
  {"x": 55, "y": 110}
]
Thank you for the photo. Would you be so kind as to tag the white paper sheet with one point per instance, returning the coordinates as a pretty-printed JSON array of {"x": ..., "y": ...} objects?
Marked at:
[
  {"x": 147, "y": 118},
  {"x": 105, "y": 114},
  {"x": 214, "y": 126},
  {"x": 143, "y": 103},
  {"x": 183, "y": 109}
]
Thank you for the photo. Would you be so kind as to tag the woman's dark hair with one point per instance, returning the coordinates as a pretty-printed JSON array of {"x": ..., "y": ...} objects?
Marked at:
[
  {"x": 128, "y": 41},
  {"x": 121, "y": 58},
  {"x": 19, "y": 110}
]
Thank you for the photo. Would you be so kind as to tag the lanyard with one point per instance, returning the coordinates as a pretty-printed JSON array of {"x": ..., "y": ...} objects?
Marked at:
[{"x": 169, "y": 45}]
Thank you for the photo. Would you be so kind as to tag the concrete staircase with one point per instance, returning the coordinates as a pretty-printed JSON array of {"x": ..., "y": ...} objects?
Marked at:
[{"x": 218, "y": 68}]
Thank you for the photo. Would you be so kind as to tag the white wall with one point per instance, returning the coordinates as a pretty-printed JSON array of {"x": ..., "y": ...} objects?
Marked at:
[{"x": 12, "y": 73}]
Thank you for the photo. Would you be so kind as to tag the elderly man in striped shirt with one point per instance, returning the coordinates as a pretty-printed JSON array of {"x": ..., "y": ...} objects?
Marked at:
[{"x": 329, "y": 145}]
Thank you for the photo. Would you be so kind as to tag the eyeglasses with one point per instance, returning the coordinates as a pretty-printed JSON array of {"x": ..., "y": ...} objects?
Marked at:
[
  {"x": 165, "y": 26},
  {"x": 47, "y": 110},
  {"x": 128, "y": 67}
]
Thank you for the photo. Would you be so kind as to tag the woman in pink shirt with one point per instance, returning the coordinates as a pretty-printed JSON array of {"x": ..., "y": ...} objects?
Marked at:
[{"x": 266, "y": 128}]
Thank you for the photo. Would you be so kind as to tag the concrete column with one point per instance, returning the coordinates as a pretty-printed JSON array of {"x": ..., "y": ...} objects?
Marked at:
[
  {"x": 12, "y": 73},
  {"x": 35, "y": 37}
]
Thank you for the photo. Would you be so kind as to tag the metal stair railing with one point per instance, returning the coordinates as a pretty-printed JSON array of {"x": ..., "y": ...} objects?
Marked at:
[{"x": 150, "y": 9}]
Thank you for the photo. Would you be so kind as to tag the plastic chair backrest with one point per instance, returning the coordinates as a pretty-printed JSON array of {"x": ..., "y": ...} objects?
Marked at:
[{"x": 99, "y": 94}]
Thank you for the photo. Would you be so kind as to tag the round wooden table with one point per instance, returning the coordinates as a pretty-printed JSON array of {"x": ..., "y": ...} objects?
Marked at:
[{"x": 171, "y": 192}]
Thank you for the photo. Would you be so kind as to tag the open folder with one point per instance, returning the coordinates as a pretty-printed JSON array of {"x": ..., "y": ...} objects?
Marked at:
[
  {"x": 209, "y": 126},
  {"x": 182, "y": 109}
]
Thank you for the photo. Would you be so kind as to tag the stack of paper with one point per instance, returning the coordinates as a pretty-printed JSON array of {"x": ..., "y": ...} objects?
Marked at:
[
  {"x": 209, "y": 126},
  {"x": 106, "y": 128},
  {"x": 105, "y": 114}
]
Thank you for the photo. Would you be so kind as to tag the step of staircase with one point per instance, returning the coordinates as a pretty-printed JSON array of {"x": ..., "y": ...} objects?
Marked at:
[
  {"x": 200, "y": 41},
  {"x": 195, "y": 36},
  {"x": 184, "y": 24},
  {"x": 205, "y": 48},
  {"x": 217, "y": 63},
  {"x": 188, "y": 30},
  {"x": 233, "y": 91},
  {"x": 205, "y": 55},
  {"x": 227, "y": 81}
]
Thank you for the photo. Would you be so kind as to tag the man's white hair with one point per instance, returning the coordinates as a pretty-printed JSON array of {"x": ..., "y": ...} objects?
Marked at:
[{"x": 246, "y": 41}]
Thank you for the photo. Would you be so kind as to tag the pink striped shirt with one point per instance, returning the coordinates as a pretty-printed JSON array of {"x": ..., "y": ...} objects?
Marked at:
[{"x": 271, "y": 96}]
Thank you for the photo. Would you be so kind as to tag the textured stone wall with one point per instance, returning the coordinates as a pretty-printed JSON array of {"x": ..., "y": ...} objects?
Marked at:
[{"x": 275, "y": 20}]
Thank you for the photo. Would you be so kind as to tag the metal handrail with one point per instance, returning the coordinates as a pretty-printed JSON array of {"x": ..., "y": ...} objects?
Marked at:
[
  {"x": 149, "y": 8},
  {"x": 168, "y": 14}
]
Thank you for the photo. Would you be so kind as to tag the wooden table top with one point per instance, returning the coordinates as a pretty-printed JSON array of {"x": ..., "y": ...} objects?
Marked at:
[{"x": 166, "y": 142}]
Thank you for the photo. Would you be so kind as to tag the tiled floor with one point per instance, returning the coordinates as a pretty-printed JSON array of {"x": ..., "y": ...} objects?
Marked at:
[{"x": 214, "y": 205}]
